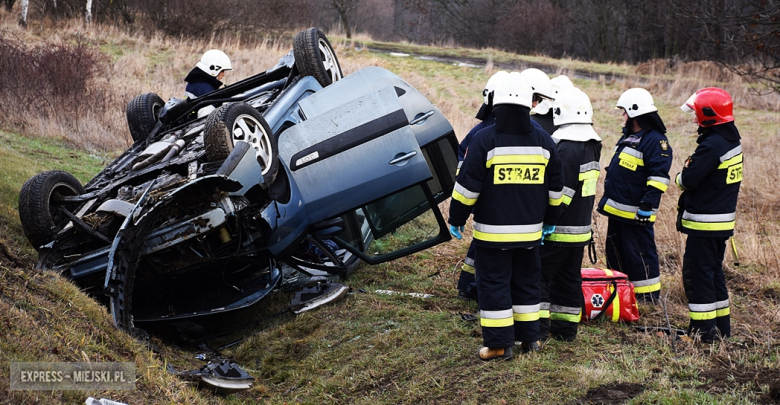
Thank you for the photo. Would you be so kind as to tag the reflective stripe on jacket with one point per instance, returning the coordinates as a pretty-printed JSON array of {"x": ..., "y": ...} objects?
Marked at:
[{"x": 637, "y": 173}]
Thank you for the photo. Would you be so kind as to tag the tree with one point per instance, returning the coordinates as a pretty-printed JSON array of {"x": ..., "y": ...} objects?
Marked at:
[
  {"x": 25, "y": 7},
  {"x": 8, "y": 4},
  {"x": 345, "y": 8}
]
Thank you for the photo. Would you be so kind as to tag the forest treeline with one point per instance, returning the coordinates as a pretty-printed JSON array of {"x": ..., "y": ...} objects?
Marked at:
[{"x": 744, "y": 34}]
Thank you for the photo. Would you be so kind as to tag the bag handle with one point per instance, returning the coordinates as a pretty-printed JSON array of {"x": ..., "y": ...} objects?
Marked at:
[
  {"x": 592, "y": 251},
  {"x": 609, "y": 301}
]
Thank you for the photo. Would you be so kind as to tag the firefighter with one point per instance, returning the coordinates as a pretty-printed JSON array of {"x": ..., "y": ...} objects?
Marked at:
[
  {"x": 542, "y": 89},
  {"x": 637, "y": 177},
  {"x": 512, "y": 180},
  {"x": 467, "y": 284},
  {"x": 707, "y": 208},
  {"x": 579, "y": 148},
  {"x": 207, "y": 74},
  {"x": 542, "y": 111}
]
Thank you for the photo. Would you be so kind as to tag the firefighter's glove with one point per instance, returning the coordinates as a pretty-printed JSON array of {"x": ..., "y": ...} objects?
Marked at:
[
  {"x": 643, "y": 214},
  {"x": 456, "y": 231},
  {"x": 546, "y": 230}
]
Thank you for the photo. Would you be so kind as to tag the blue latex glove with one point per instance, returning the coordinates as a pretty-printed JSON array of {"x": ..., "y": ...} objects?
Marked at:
[
  {"x": 546, "y": 230},
  {"x": 643, "y": 217},
  {"x": 456, "y": 231}
]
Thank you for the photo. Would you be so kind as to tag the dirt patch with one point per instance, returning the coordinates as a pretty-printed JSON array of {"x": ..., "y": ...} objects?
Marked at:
[
  {"x": 719, "y": 380},
  {"x": 8, "y": 258},
  {"x": 613, "y": 393}
]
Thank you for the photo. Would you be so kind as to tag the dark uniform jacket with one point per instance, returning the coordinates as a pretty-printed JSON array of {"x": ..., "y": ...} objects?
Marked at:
[
  {"x": 710, "y": 179},
  {"x": 545, "y": 121},
  {"x": 581, "y": 171},
  {"x": 512, "y": 178},
  {"x": 638, "y": 173},
  {"x": 200, "y": 83}
]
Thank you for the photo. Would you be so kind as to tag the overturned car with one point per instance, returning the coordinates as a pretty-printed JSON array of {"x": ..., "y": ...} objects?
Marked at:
[{"x": 283, "y": 180}]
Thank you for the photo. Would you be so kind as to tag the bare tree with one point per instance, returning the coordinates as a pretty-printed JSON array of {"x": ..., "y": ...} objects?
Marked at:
[
  {"x": 345, "y": 8},
  {"x": 89, "y": 11},
  {"x": 25, "y": 7},
  {"x": 743, "y": 35}
]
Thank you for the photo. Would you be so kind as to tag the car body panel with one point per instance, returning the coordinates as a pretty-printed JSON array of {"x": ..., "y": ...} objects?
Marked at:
[{"x": 342, "y": 159}]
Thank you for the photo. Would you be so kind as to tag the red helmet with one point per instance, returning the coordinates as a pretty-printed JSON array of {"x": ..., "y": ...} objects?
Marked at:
[{"x": 713, "y": 106}]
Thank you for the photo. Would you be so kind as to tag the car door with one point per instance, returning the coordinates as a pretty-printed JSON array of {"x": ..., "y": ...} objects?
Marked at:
[{"x": 363, "y": 155}]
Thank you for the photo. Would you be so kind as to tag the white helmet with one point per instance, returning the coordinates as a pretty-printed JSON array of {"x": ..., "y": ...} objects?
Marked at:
[
  {"x": 491, "y": 83},
  {"x": 213, "y": 62},
  {"x": 572, "y": 106},
  {"x": 539, "y": 82},
  {"x": 559, "y": 83},
  {"x": 636, "y": 102},
  {"x": 513, "y": 89}
]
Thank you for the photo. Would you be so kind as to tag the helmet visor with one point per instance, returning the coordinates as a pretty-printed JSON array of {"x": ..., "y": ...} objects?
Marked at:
[{"x": 688, "y": 106}]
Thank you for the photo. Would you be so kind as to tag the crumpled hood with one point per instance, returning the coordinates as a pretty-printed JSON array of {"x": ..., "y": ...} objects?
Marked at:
[{"x": 543, "y": 107}]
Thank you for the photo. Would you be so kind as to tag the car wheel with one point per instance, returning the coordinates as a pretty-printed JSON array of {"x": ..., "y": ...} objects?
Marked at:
[
  {"x": 142, "y": 113},
  {"x": 314, "y": 56},
  {"x": 236, "y": 122},
  {"x": 39, "y": 210}
]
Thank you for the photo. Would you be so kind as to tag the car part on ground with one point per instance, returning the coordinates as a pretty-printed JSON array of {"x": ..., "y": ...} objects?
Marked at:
[
  {"x": 285, "y": 185},
  {"x": 224, "y": 377}
]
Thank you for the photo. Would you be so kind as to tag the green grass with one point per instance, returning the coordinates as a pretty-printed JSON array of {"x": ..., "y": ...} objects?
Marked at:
[{"x": 22, "y": 158}]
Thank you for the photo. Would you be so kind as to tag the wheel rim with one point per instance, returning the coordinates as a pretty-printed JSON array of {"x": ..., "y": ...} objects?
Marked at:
[
  {"x": 59, "y": 190},
  {"x": 248, "y": 129},
  {"x": 329, "y": 61}
]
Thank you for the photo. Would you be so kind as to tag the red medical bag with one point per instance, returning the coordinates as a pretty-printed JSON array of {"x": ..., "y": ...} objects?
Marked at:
[{"x": 609, "y": 294}]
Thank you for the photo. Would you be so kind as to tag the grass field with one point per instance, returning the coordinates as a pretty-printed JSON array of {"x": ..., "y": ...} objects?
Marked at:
[{"x": 374, "y": 348}]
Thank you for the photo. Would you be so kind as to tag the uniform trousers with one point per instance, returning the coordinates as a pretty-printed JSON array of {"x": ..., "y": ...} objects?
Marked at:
[
  {"x": 561, "y": 291},
  {"x": 631, "y": 250},
  {"x": 509, "y": 294},
  {"x": 705, "y": 287},
  {"x": 467, "y": 281}
]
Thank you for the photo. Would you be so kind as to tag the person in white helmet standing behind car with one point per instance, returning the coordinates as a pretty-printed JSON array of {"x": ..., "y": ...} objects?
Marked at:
[
  {"x": 637, "y": 177},
  {"x": 579, "y": 148},
  {"x": 207, "y": 74},
  {"x": 467, "y": 283},
  {"x": 512, "y": 180},
  {"x": 542, "y": 90},
  {"x": 542, "y": 112}
]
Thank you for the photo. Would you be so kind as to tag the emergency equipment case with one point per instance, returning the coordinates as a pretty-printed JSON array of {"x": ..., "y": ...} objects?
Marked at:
[{"x": 608, "y": 293}]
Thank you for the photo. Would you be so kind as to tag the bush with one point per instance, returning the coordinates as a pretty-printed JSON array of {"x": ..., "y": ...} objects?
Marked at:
[{"x": 51, "y": 81}]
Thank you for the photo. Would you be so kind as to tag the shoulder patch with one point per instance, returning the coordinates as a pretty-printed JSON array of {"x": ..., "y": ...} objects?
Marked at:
[
  {"x": 688, "y": 162},
  {"x": 664, "y": 145}
]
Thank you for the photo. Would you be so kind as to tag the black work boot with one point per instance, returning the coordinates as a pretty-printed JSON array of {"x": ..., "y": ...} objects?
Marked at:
[
  {"x": 495, "y": 353},
  {"x": 528, "y": 347}
]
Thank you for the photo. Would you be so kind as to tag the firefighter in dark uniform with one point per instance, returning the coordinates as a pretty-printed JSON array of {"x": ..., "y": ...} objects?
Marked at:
[
  {"x": 542, "y": 89},
  {"x": 207, "y": 74},
  {"x": 579, "y": 148},
  {"x": 637, "y": 177},
  {"x": 710, "y": 182},
  {"x": 467, "y": 283},
  {"x": 512, "y": 180},
  {"x": 542, "y": 112}
]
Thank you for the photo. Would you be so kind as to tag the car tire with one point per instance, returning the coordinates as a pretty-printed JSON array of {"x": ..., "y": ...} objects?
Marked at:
[
  {"x": 229, "y": 124},
  {"x": 142, "y": 112},
  {"x": 39, "y": 212},
  {"x": 315, "y": 56}
]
